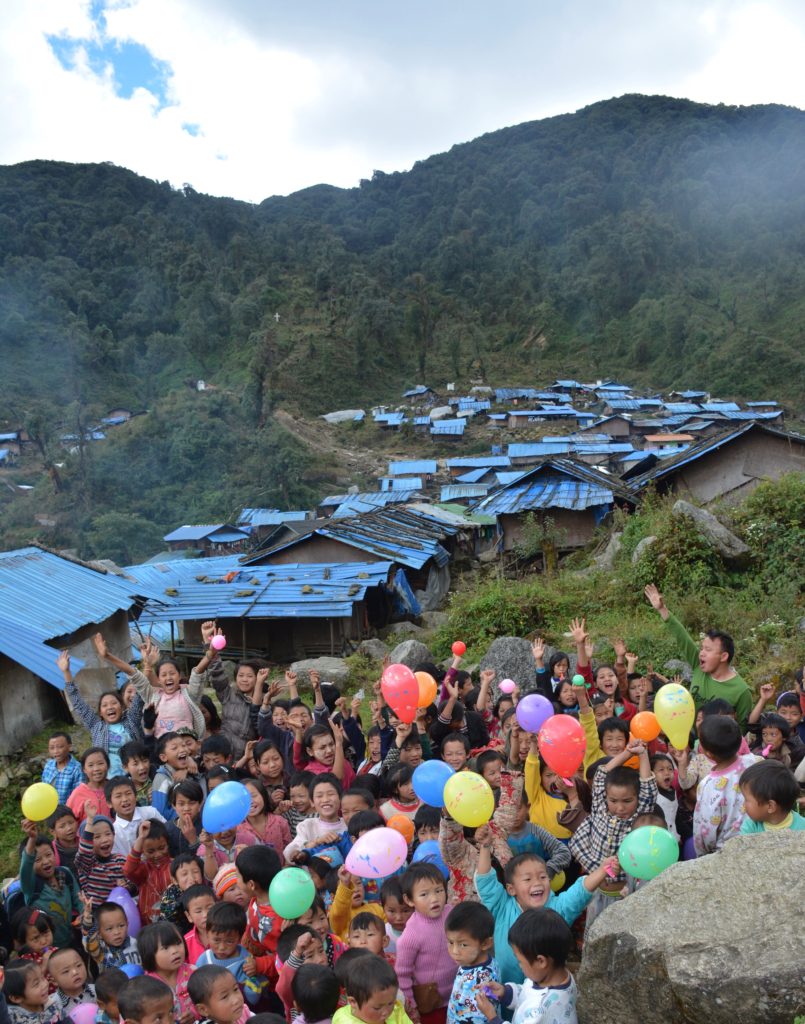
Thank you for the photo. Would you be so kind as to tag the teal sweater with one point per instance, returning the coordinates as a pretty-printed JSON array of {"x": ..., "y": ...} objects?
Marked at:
[
  {"x": 61, "y": 904},
  {"x": 749, "y": 827}
]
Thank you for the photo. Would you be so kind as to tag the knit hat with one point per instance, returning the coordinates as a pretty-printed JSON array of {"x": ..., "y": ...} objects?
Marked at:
[
  {"x": 95, "y": 820},
  {"x": 187, "y": 731},
  {"x": 225, "y": 878}
]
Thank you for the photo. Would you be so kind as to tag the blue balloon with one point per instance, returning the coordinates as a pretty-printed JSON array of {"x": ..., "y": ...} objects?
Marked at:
[
  {"x": 226, "y": 807},
  {"x": 132, "y": 970},
  {"x": 429, "y": 781},
  {"x": 429, "y": 853}
]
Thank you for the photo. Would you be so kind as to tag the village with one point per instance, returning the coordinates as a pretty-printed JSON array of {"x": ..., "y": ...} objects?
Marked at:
[{"x": 292, "y": 584}]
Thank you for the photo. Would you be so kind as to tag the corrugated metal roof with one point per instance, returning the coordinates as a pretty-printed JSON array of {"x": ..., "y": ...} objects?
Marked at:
[
  {"x": 413, "y": 466},
  {"x": 749, "y": 405},
  {"x": 10, "y": 437},
  {"x": 721, "y": 406},
  {"x": 680, "y": 407},
  {"x": 508, "y": 394},
  {"x": 474, "y": 404},
  {"x": 270, "y": 516},
  {"x": 223, "y": 532},
  {"x": 567, "y": 384},
  {"x": 478, "y": 461},
  {"x": 497, "y": 417},
  {"x": 623, "y": 404},
  {"x": 749, "y": 414},
  {"x": 507, "y": 477},
  {"x": 453, "y": 492},
  {"x": 114, "y": 421},
  {"x": 28, "y": 648},
  {"x": 473, "y": 476},
  {"x": 601, "y": 449},
  {"x": 390, "y": 419},
  {"x": 448, "y": 427},
  {"x": 537, "y": 449},
  {"x": 3, "y": 454},
  {"x": 691, "y": 394},
  {"x": 421, "y": 421},
  {"x": 649, "y": 403},
  {"x": 401, "y": 483},
  {"x": 420, "y": 389},
  {"x": 354, "y": 504},
  {"x": 545, "y": 488}
]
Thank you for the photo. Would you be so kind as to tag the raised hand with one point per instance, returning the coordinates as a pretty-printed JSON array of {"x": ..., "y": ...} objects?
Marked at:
[
  {"x": 636, "y": 746},
  {"x": 631, "y": 662},
  {"x": 619, "y": 647},
  {"x": 767, "y": 691},
  {"x": 99, "y": 644},
  {"x": 345, "y": 876},
  {"x": 578, "y": 630},
  {"x": 144, "y": 831},
  {"x": 208, "y": 631},
  {"x": 315, "y": 679},
  {"x": 63, "y": 662},
  {"x": 262, "y": 676},
  {"x": 488, "y": 676},
  {"x": 484, "y": 835},
  {"x": 538, "y": 649},
  {"x": 403, "y": 731},
  {"x": 655, "y": 598}
]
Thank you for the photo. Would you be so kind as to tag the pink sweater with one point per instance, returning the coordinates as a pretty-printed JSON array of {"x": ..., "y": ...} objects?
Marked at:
[{"x": 422, "y": 956}]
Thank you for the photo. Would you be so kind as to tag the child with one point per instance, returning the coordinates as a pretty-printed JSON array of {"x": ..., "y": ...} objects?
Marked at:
[
  {"x": 719, "y": 811},
  {"x": 261, "y": 825},
  {"x": 371, "y": 988},
  {"x": 320, "y": 750},
  {"x": 106, "y": 936},
  {"x": 95, "y": 765},
  {"x": 197, "y": 902},
  {"x": 776, "y": 740},
  {"x": 354, "y": 801},
  {"x": 226, "y": 886},
  {"x": 316, "y": 918},
  {"x": 32, "y": 931},
  {"x": 425, "y": 969},
  {"x": 256, "y": 867},
  {"x": 325, "y": 795},
  {"x": 770, "y": 792},
  {"x": 789, "y": 708},
  {"x": 147, "y": 1000},
  {"x": 164, "y": 956},
  {"x": 137, "y": 765},
  {"x": 316, "y": 994},
  {"x": 236, "y": 700},
  {"x": 173, "y": 767},
  {"x": 121, "y": 795},
  {"x": 402, "y": 799},
  {"x": 62, "y": 770},
  {"x": 186, "y": 870},
  {"x": 66, "y": 969},
  {"x": 427, "y": 822},
  {"x": 301, "y": 805},
  {"x": 455, "y": 750},
  {"x": 48, "y": 887},
  {"x": 396, "y": 910},
  {"x": 109, "y": 985},
  {"x": 541, "y": 941},
  {"x": 226, "y": 922},
  {"x": 298, "y": 945},
  {"x": 470, "y": 929},
  {"x": 26, "y": 990},
  {"x": 99, "y": 869},
  {"x": 217, "y": 997},
  {"x": 349, "y": 901},
  {"x": 218, "y": 849},
  {"x": 216, "y": 751},
  {"x": 373, "y": 762},
  {"x": 526, "y": 837},
  {"x": 64, "y": 826},
  {"x": 663, "y": 767},
  {"x": 368, "y": 931},
  {"x": 186, "y": 799},
  {"x": 148, "y": 867},
  {"x": 546, "y": 799}
]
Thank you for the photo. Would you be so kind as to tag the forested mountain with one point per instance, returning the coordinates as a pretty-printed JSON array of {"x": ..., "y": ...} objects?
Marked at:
[{"x": 646, "y": 236}]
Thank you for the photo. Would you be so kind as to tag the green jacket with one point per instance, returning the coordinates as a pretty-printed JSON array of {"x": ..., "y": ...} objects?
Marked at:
[{"x": 62, "y": 904}]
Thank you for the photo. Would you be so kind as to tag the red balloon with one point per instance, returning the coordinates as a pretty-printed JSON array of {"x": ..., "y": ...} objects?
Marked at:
[
  {"x": 459, "y": 648},
  {"x": 401, "y": 691},
  {"x": 562, "y": 744}
]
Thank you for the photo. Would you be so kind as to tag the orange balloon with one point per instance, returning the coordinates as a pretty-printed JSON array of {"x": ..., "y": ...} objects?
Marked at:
[
  {"x": 644, "y": 726},
  {"x": 427, "y": 689},
  {"x": 400, "y": 823}
]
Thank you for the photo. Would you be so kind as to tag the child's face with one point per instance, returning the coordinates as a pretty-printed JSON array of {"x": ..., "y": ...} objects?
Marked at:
[
  {"x": 256, "y": 806},
  {"x": 636, "y": 690},
  {"x": 123, "y": 801},
  {"x": 224, "y": 1002},
  {"x": 531, "y": 885},
  {"x": 36, "y": 988},
  {"x": 300, "y": 717},
  {"x": 492, "y": 772},
  {"x": 606, "y": 681},
  {"x": 314, "y": 954},
  {"x": 605, "y": 710},
  {"x": 792, "y": 715},
  {"x": 59, "y": 748},
  {"x": 613, "y": 742},
  {"x": 503, "y": 707},
  {"x": 95, "y": 769},
  {"x": 157, "y": 1011},
  {"x": 772, "y": 737},
  {"x": 246, "y": 679},
  {"x": 621, "y": 801},
  {"x": 234, "y": 894},
  {"x": 467, "y": 951},
  {"x": 68, "y": 972},
  {"x": 109, "y": 1007},
  {"x": 455, "y": 755},
  {"x": 45, "y": 861},
  {"x": 565, "y": 696},
  {"x": 169, "y": 958},
  {"x": 316, "y": 919},
  {"x": 271, "y": 764},
  {"x": 175, "y": 754},
  {"x": 405, "y": 792},
  {"x": 428, "y": 897},
  {"x": 184, "y": 805},
  {"x": 211, "y": 760},
  {"x": 427, "y": 832},
  {"x": 377, "y": 1008},
  {"x": 279, "y": 717},
  {"x": 103, "y": 839},
  {"x": 374, "y": 939},
  {"x": 523, "y": 745},
  {"x": 549, "y": 779},
  {"x": 521, "y": 817},
  {"x": 326, "y": 802},
  {"x": 300, "y": 799},
  {"x": 758, "y": 810},
  {"x": 537, "y": 970},
  {"x": 373, "y": 746},
  {"x": 65, "y": 830},
  {"x": 191, "y": 745},
  {"x": 169, "y": 679},
  {"x": 224, "y": 944},
  {"x": 155, "y": 849},
  {"x": 110, "y": 709},
  {"x": 113, "y": 927},
  {"x": 187, "y": 875},
  {"x": 411, "y": 754},
  {"x": 351, "y": 804},
  {"x": 227, "y": 838},
  {"x": 397, "y": 912},
  {"x": 358, "y": 892},
  {"x": 197, "y": 910},
  {"x": 322, "y": 749},
  {"x": 139, "y": 768},
  {"x": 664, "y": 774},
  {"x": 36, "y": 940}
]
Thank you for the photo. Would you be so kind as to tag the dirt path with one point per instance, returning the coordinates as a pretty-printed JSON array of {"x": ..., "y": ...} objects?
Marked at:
[{"x": 318, "y": 435}]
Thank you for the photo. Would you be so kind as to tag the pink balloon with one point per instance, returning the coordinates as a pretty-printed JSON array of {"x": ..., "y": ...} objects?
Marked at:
[
  {"x": 533, "y": 711},
  {"x": 401, "y": 691},
  {"x": 377, "y": 854},
  {"x": 218, "y": 643},
  {"x": 507, "y": 686},
  {"x": 84, "y": 1013}
]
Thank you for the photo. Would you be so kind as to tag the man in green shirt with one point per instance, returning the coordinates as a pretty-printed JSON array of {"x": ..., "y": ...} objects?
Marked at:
[{"x": 713, "y": 674}]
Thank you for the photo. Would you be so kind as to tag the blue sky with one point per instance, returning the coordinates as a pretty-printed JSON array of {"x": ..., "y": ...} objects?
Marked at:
[{"x": 252, "y": 97}]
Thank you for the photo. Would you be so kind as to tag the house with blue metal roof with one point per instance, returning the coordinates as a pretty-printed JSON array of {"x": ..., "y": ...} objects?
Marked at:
[
  {"x": 401, "y": 483},
  {"x": 617, "y": 427},
  {"x": 463, "y": 463},
  {"x": 530, "y": 452},
  {"x": 460, "y": 493},
  {"x": 213, "y": 539},
  {"x": 448, "y": 429},
  {"x": 413, "y": 467}
]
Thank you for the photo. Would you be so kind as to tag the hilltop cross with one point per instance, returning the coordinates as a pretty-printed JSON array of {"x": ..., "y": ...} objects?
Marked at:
[{"x": 276, "y": 318}]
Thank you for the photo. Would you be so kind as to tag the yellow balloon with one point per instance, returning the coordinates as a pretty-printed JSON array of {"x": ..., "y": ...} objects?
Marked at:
[
  {"x": 469, "y": 799},
  {"x": 675, "y": 712},
  {"x": 39, "y": 801}
]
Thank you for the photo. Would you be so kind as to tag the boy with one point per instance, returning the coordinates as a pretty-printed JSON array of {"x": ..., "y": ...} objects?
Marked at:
[
  {"x": 148, "y": 867},
  {"x": 470, "y": 929},
  {"x": 217, "y": 996},
  {"x": 173, "y": 759},
  {"x": 121, "y": 795},
  {"x": 298, "y": 945},
  {"x": 541, "y": 941},
  {"x": 368, "y": 931},
  {"x": 301, "y": 805},
  {"x": 137, "y": 764},
  {"x": 719, "y": 811},
  {"x": 606, "y": 735},
  {"x": 788, "y": 707},
  {"x": 455, "y": 751},
  {"x": 62, "y": 770},
  {"x": 770, "y": 792},
  {"x": 186, "y": 870},
  {"x": 371, "y": 988},
  {"x": 395, "y": 908},
  {"x": 316, "y": 994},
  {"x": 354, "y": 800},
  {"x": 106, "y": 936},
  {"x": 197, "y": 901},
  {"x": 216, "y": 750},
  {"x": 107, "y": 989},
  {"x": 256, "y": 867},
  {"x": 713, "y": 674},
  {"x": 66, "y": 970},
  {"x": 186, "y": 799},
  {"x": 146, "y": 1000},
  {"x": 225, "y": 924}
]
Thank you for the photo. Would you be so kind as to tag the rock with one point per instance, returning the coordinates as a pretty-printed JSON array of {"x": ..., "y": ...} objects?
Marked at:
[
  {"x": 410, "y": 653},
  {"x": 331, "y": 670},
  {"x": 402, "y": 629},
  {"x": 373, "y": 649},
  {"x": 689, "y": 948},
  {"x": 642, "y": 548},
  {"x": 511, "y": 658},
  {"x": 731, "y": 548},
  {"x": 434, "y": 620},
  {"x": 489, "y": 556},
  {"x": 606, "y": 560},
  {"x": 4, "y": 780},
  {"x": 682, "y": 668}
]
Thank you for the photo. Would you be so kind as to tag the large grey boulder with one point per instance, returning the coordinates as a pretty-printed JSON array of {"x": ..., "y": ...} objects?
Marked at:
[
  {"x": 331, "y": 670},
  {"x": 677, "y": 667},
  {"x": 606, "y": 560},
  {"x": 511, "y": 658},
  {"x": 731, "y": 548},
  {"x": 696, "y": 946},
  {"x": 410, "y": 653},
  {"x": 641, "y": 548},
  {"x": 373, "y": 648}
]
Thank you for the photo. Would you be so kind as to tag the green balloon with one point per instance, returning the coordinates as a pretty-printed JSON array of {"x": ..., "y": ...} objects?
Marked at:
[
  {"x": 291, "y": 893},
  {"x": 647, "y": 851}
]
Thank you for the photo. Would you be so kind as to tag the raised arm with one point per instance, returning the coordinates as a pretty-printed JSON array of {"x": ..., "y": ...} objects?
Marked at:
[
  {"x": 88, "y": 717},
  {"x": 766, "y": 695},
  {"x": 105, "y": 654}
]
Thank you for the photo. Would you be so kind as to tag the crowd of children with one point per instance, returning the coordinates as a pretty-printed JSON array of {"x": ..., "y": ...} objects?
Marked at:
[{"x": 127, "y": 910}]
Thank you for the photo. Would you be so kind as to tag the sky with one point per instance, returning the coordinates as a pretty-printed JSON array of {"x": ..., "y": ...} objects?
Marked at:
[{"x": 253, "y": 98}]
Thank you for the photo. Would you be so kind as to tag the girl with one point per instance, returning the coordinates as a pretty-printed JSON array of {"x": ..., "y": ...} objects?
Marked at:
[
  {"x": 48, "y": 887},
  {"x": 64, "y": 826},
  {"x": 95, "y": 763},
  {"x": 186, "y": 798},
  {"x": 32, "y": 931},
  {"x": 271, "y": 769},
  {"x": 663, "y": 767},
  {"x": 27, "y": 992},
  {"x": 113, "y": 725},
  {"x": 164, "y": 956},
  {"x": 373, "y": 761},
  {"x": 544, "y": 793},
  {"x": 211, "y": 717},
  {"x": 99, "y": 869},
  {"x": 402, "y": 800},
  {"x": 261, "y": 825},
  {"x": 320, "y": 749},
  {"x": 327, "y": 823},
  {"x": 564, "y": 699}
]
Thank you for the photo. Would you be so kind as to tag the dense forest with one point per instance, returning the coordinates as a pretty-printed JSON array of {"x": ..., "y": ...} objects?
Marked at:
[{"x": 645, "y": 236}]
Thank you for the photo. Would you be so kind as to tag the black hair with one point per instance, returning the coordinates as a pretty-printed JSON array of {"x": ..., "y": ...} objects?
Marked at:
[
  {"x": 365, "y": 821},
  {"x": 109, "y": 983},
  {"x": 94, "y": 750},
  {"x": 472, "y": 918},
  {"x": 420, "y": 872},
  {"x": 413, "y": 739},
  {"x": 522, "y": 858},
  {"x": 222, "y": 771},
  {"x": 215, "y": 719},
  {"x": 186, "y": 858},
  {"x": 597, "y": 699},
  {"x": 488, "y": 757},
  {"x": 29, "y": 917},
  {"x": 771, "y": 780},
  {"x": 164, "y": 740},
  {"x": 61, "y": 951},
  {"x": 365, "y": 921},
  {"x": 542, "y": 932},
  {"x": 189, "y": 789},
  {"x": 134, "y": 749},
  {"x": 289, "y": 937},
  {"x": 315, "y": 991},
  {"x": 770, "y": 720},
  {"x": 613, "y": 725},
  {"x": 400, "y": 775},
  {"x": 62, "y": 811},
  {"x": 118, "y": 782},
  {"x": 369, "y": 975},
  {"x": 157, "y": 830},
  {"x": 660, "y": 757},
  {"x": 319, "y": 780},
  {"x": 202, "y": 981},
  {"x": 346, "y": 962},
  {"x": 226, "y": 917},
  {"x": 134, "y": 998},
  {"x": 255, "y": 664},
  {"x": 370, "y": 784},
  {"x": 216, "y": 744},
  {"x": 303, "y": 778},
  {"x": 111, "y": 693},
  {"x": 262, "y": 792},
  {"x": 427, "y": 815},
  {"x": 391, "y": 890},
  {"x": 61, "y": 735},
  {"x": 789, "y": 699},
  {"x": 322, "y": 868},
  {"x": 258, "y": 864},
  {"x": 156, "y": 936},
  {"x": 458, "y": 710},
  {"x": 432, "y": 670},
  {"x": 591, "y": 769},
  {"x": 717, "y": 706},
  {"x": 318, "y": 902},
  {"x": 194, "y": 892},
  {"x": 555, "y": 658},
  {"x": 168, "y": 661},
  {"x": 726, "y": 641},
  {"x": 108, "y": 908},
  {"x": 471, "y": 698},
  {"x": 281, "y": 702},
  {"x": 504, "y": 698},
  {"x": 314, "y": 731},
  {"x": 363, "y": 794},
  {"x": 15, "y": 979},
  {"x": 721, "y": 736},
  {"x": 653, "y": 817},
  {"x": 623, "y": 776},
  {"x": 455, "y": 737}
]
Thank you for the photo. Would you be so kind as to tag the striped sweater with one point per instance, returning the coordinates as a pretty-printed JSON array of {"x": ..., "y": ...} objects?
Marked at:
[{"x": 97, "y": 877}]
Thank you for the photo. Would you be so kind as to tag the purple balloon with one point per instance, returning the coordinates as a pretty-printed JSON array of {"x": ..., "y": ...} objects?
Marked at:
[
  {"x": 533, "y": 711},
  {"x": 689, "y": 850},
  {"x": 123, "y": 899}
]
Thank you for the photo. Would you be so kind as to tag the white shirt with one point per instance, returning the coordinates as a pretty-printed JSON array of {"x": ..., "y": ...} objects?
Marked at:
[{"x": 126, "y": 831}]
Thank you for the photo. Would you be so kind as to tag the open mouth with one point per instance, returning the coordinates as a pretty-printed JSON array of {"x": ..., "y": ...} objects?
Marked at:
[{"x": 537, "y": 894}]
